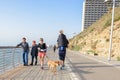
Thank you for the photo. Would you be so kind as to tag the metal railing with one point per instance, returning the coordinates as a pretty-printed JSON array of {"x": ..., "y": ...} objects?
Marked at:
[{"x": 10, "y": 57}]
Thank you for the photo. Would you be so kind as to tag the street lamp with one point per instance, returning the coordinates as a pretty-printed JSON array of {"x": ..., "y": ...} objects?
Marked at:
[{"x": 111, "y": 32}]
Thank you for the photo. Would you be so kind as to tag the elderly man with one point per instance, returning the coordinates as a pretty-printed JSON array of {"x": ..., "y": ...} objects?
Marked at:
[{"x": 62, "y": 45}]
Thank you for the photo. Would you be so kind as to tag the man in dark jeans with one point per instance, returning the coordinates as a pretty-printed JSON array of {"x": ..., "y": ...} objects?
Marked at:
[
  {"x": 34, "y": 52},
  {"x": 25, "y": 47},
  {"x": 62, "y": 45}
]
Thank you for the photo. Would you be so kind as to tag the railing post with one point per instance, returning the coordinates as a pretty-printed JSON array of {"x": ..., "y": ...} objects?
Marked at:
[
  {"x": 13, "y": 63},
  {"x": 4, "y": 52},
  {"x": 19, "y": 58}
]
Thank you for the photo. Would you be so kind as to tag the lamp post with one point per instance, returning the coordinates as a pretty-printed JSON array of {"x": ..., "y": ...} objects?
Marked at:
[{"x": 111, "y": 32}]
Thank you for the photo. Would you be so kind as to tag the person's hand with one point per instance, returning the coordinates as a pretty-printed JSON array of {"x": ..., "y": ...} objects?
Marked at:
[
  {"x": 39, "y": 49},
  {"x": 16, "y": 46},
  {"x": 56, "y": 45}
]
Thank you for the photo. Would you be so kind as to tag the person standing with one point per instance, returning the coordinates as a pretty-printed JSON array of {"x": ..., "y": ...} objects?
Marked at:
[
  {"x": 42, "y": 48},
  {"x": 54, "y": 48},
  {"x": 62, "y": 45},
  {"x": 34, "y": 53},
  {"x": 25, "y": 47}
]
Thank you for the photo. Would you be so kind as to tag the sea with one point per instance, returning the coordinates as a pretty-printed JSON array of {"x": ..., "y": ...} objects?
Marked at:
[{"x": 10, "y": 58}]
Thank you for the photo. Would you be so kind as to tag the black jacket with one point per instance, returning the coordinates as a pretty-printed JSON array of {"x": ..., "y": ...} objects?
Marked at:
[
  {"x": 25, "y": 46},
  {"x": 42, "y": 47},
  {"x": 62, "y": 40},
  {"x": 34, "y": 51}
]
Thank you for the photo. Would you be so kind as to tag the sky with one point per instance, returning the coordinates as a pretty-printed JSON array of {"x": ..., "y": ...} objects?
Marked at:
[{"x": 34, "y": 19}]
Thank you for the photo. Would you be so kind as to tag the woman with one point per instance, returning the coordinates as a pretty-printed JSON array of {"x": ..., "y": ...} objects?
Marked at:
[
  {"x": 42, "y": 51},
  {"x": 34, "y": 53}
]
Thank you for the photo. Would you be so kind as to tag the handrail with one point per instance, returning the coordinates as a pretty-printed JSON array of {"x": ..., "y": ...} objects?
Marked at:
[
  {"x": 1, "y": 47},
  {"x": 10, "y": 57},
  {"x": 8, "y": 47}
]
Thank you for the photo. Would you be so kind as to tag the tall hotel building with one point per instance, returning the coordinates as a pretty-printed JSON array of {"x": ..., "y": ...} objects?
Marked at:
[{"x": 93, "y": 10}]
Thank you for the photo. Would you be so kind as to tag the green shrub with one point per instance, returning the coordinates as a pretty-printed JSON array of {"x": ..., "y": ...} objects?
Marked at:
[
  {"x": 93, "y": 46},
  {"x": 118, "y": 58},
  {"x": 108, "y": 23},
  {"x": 92, "y": 52},
  {"x": 76, "y": 48},
  {"x": 107, "y": 40},
  {"x": 117, "y": 19}
]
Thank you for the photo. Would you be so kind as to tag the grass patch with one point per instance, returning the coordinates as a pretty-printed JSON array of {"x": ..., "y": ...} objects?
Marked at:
[
  {"x": 76, "y": 48},
  {"x": 93, "y": 46},
  {"x": 92, "y": 52},
  {"x": 117, "y": 19},
  {"x": 107, "y": 40},
  {"x": 118, "y": 58}
]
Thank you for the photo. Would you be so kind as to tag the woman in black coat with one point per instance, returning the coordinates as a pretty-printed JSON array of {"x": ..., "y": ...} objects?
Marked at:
[{"x": 34, "y": 53}]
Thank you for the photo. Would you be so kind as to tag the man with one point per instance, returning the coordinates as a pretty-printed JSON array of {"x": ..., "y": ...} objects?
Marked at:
[
  {"x": 34, "y": 53},
  {"x": 25, "y": 47},
  {"x": 54, "y": 48},
  {"x": 62, "y": 45}
]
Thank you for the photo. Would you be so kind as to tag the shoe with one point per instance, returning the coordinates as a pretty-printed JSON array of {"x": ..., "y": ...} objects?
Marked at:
[
  {"x": 42, "y": 68},
  {"x": 61, "y": 68},
  {"x": 35, "y": 63},
  {"x": 31, "y": 64},
  {"x": 63, "y": 65}
]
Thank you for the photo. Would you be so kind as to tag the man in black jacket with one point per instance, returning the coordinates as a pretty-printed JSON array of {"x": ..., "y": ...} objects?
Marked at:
[
  {"x": 25, "y": 47},
  {"x": 62, "y": 45},
  {"x": 34, "y": 53}
]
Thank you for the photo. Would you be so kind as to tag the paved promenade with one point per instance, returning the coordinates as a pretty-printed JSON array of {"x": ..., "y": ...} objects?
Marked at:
[
  {"x": 35, "y": 72},
  {"x": 85, "y": 67},
  {"x": 77, "y": 67}
]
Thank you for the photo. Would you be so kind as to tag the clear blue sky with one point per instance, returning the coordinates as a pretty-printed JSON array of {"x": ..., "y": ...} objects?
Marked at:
[{"x": 38, "y": 18}]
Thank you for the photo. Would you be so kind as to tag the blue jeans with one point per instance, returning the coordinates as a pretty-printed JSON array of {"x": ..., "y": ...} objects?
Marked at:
[{"x": 25, "y": 58}]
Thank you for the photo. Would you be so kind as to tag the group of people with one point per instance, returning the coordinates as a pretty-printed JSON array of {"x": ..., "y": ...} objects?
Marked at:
[{"x": 39, "y": 50}]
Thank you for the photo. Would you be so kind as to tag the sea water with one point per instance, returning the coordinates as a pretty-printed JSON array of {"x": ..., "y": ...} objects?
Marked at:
[{"x": 10, "y": 58}]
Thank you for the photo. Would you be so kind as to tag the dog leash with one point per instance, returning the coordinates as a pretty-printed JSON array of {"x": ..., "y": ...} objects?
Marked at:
[{"x": 47, "y": 57}]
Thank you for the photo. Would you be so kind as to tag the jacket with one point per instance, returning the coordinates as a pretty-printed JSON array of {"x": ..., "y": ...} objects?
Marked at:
[
  {"x": 42, "y": 47},
  {"x": 34, "y": 51},
  {"x": 62, "y": 41},
  {"x": 25, "y": 46}
]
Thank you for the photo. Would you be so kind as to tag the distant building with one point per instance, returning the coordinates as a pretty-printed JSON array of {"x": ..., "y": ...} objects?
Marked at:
[{"x": 93, "y": 10}]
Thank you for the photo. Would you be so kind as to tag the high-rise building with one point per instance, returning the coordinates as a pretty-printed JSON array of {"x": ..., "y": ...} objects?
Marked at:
[{"x": 93, "y": 10}]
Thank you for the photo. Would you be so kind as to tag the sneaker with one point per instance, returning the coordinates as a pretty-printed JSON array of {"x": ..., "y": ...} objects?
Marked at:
[
  {"x": 31, "y": 64},
  {"x": 61, "y": 68},
  {"x": 35, "y": 63},
  {"x": 42, "y": 68},
  {"x": 63, "y": 65}
]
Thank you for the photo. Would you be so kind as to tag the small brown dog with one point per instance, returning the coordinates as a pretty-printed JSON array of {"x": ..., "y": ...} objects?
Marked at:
[{"x": 52, "y": 65}]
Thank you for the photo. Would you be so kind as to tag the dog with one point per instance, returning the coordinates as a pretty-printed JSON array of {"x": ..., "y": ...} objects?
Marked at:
[{"x": 52, "y": 65}]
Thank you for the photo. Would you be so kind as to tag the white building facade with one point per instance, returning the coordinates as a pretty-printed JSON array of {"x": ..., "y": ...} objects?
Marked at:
[{"x": 93, "y": 10}]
